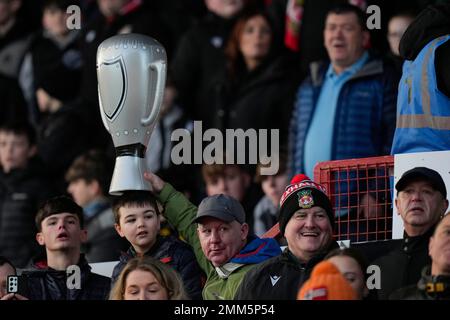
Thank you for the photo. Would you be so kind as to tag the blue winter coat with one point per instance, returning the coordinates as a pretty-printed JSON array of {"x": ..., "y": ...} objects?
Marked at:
[{"x": 365, "y": 116}]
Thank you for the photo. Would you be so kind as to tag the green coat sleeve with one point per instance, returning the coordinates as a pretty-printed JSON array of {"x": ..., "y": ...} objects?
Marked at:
[{"x": 180, "y": 212}]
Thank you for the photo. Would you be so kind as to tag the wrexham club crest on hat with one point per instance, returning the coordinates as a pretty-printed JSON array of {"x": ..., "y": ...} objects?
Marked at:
[{"x": 305, "y": 199}]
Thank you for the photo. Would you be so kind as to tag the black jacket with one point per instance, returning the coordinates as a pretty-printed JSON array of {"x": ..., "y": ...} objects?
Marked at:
[
  {"x": 279, "y": 278},
  {"x": 428, "y": 288},
  {"x": 103, "y": 244},
  {"x": 199, "y": 57},
  {"x": 21, "y": 193},
  {"x": 260, "y": 99},
  {"x": 62, "y": 136},
  {"x": 12, "y": 107},
  {"x": 44, "y": 283},
  {"x": 403, "y": 265},
  {"x": 176, "y": 254},
  {"x": 57, "y": 66}
]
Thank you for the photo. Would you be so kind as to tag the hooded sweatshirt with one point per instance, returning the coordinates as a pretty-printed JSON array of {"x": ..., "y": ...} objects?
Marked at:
[{"x": 431, "y": 23}]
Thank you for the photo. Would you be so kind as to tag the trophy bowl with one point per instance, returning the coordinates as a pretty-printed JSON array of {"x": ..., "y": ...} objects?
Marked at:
[{"x": 131, "y": 73}]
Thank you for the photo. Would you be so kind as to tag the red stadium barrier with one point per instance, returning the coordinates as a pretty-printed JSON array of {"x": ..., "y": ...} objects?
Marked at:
[{"x": 360, "y": 192}]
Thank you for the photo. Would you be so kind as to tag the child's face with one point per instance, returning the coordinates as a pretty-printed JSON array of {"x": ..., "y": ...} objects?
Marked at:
[
  {"x": 82, "y": 192},
  {"x": 15, "y": 150},
  {"x": 61, "y": 232},
  {"x": 54, "y": 21},
  {"x": 234, "y": 183},
  {"x": 139, "y": 225},
  {"x": 273, "y": 187}
]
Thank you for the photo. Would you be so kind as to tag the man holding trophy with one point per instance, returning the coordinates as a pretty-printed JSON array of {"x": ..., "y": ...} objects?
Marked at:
[{"x": 131, "y": 72}]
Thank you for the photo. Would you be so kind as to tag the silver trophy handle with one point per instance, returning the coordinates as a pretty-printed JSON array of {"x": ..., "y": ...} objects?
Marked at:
[
  {"x": 159, "y": 67},
  {"x": 104, "y": 120}
]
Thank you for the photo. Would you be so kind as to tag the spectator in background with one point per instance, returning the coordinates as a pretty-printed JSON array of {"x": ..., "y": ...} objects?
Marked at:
[
  {"x": 60, "y": 225},
  {"x": 179, "y": 16},
  {"x": 172, "y": 117},
  {"x": 348, "y": 104},
  {"x": 54, "y": 61},
  {"x": 221, "y": 241},
  {"x": 232, "y": 180},
  {"x": 396, "y": 28},
  {"x": 353, "y": 266},
  {"x": 15, "y": 37},
  {"x": 13, "y": 106},
  {"x": 200, "y": 56},
  {"x": 256, "y": 91},
  {"x": 138, "y": 219},
  {"x": 306, "y": 220},
  {"x": 423, "y": 106},
  {"x": 346, "y": 107},
  {"x": 146, "y": 278},
  {"x": 266, "y": 211},
  {"x": 421, "y": 202},
  {"x": 88, "y": 181},
  {"x": 23, "y": 186},
  {"x": 435, "y": 279}
]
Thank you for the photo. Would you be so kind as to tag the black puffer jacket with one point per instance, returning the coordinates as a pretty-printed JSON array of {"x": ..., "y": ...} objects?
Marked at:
[
  {"x": 428, "y": 288},
  {"x": 278, "y": 278},
  {"x": 21, "y": 193},
  {"x": 176, "y": 254},
  {"x": 44, "y": 283}
]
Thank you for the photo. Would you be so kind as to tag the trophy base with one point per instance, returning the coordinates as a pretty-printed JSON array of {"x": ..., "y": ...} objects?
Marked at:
[{"x": 128, "y": 175}]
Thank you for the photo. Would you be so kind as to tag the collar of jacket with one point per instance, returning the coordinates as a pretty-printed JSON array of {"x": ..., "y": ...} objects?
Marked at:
[
  {"x": 437, "y": 287},
  {"x": 372, "y": 67},
  {"x": 228, "y": 268},
  {"x": 131, "y": 252},
  {"x": 40, "y": 264},
  {"x": 289, "y": 257},
  {"x": 257, "y": 250},
  {"x": 411, "y": 244}
]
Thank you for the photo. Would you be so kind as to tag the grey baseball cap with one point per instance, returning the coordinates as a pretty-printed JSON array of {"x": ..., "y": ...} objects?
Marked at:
[{"x": 221, "y": 207}]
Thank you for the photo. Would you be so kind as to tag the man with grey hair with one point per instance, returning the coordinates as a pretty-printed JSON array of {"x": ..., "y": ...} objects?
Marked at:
[
  {"x": 421, "y": 202},
  {"x": 219, "y": 236}
]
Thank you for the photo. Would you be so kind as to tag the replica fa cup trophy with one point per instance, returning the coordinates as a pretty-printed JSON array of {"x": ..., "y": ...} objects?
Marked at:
[{"x": 131, "y": 72}]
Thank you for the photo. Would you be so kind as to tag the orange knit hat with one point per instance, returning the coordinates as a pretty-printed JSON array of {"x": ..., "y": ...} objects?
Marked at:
[{"x": 326, "y": 283}]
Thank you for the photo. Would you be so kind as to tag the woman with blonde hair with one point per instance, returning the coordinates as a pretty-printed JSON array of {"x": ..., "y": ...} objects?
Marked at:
[{"x": 146, "y": 278}]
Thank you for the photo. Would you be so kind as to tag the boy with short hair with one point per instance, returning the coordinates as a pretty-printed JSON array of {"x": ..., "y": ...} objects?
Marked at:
[
  {"x": 60, "y": 225},
  {"x": 22, "y": 188},
  {"x": 89, "y": 177},
  {"x": 233, "y": 180},
  {"x": 267, "y": 209},
  {"x": 137, "y": 218}
]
